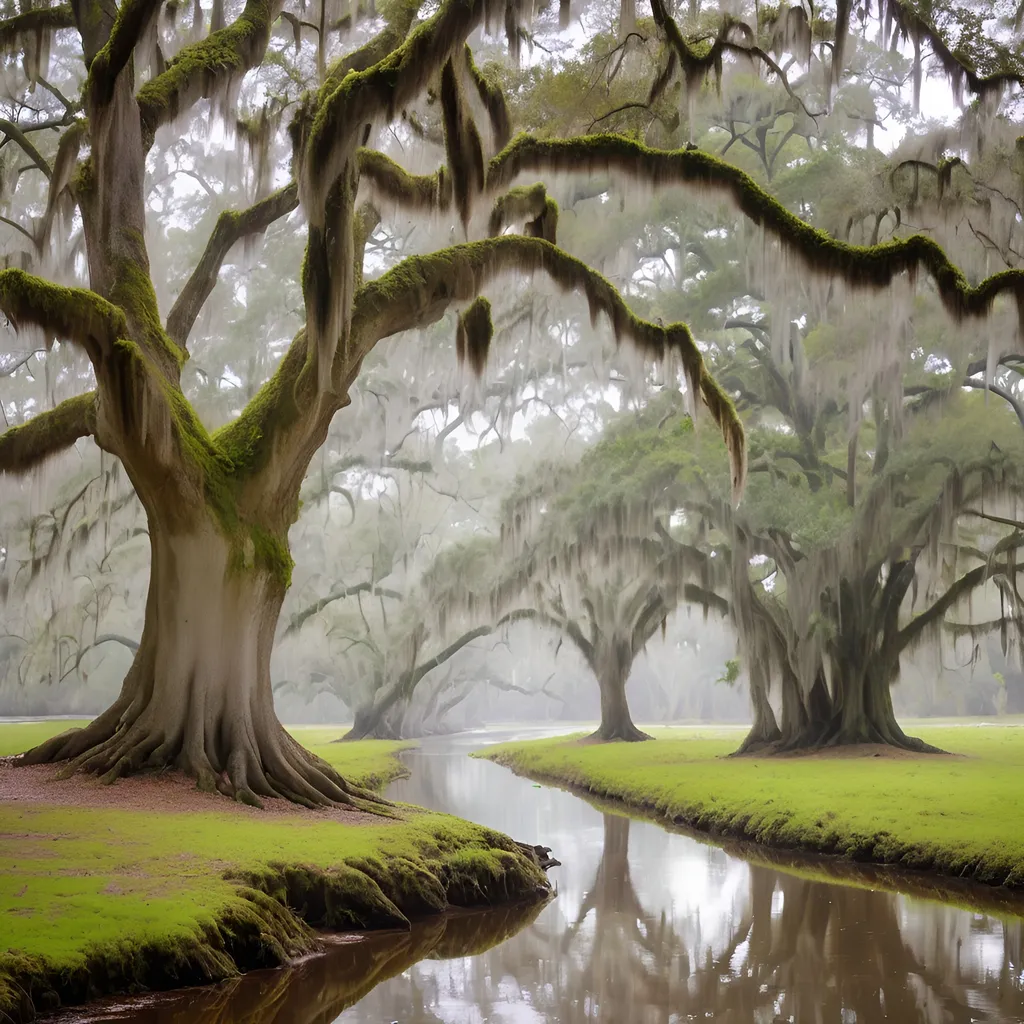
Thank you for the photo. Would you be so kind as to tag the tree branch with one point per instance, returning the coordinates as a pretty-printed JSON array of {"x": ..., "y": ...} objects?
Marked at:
[
  {"x": 24, "y": 447},
  {"x": 42, "y": 19},
  {"x": 421, "y": 288},
  {"x": 202, "y": 68},
  {"x": 72, "y": 314},
  {"x": 231, "y": 227},
  {"x": 133, "y": 18},
  {"x": 999, "y": 392},
  {"x": 873, "y": 266},
  {"x": 15, "y": 133},
  {"x": 971, "y": 579},
  {"x": 336, "y": 595}
]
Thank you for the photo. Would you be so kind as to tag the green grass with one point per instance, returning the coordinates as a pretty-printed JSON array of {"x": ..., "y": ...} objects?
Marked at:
[
  {"x": 957, "y": 816},
  {"x": 83, "y": 886}
]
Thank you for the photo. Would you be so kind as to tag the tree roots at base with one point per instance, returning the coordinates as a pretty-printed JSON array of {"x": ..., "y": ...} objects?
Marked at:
[{"x": 256, "y": 764}]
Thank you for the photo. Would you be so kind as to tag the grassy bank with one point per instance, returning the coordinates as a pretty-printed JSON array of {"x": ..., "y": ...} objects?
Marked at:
[
  {"x": 95, "y": 900},
  {"x": 956, "y": 816}
]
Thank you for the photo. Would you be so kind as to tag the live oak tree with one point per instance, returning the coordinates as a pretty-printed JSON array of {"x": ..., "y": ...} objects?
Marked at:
[
  {"x": 219, "y": 504},
  {"x": 589, "y": 561}
]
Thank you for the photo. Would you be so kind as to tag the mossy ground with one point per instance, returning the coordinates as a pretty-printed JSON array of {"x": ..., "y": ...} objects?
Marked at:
[
  {"x": 96, "y": 900},
  {"x": 956, "y": 816}
]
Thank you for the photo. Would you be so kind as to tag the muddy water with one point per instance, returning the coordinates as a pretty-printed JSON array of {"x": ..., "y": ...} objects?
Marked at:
[{"x": 648, "y": 926}]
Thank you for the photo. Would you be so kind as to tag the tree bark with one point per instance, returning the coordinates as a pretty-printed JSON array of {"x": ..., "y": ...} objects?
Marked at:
[
  {"x": 198, "y": 695},
  {"x": 765, "y": 730},
  {"x": 616, "y": 721}
]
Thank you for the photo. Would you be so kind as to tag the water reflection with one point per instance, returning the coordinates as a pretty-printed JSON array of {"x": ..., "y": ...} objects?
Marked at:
[{"x": 649, "y": 927}]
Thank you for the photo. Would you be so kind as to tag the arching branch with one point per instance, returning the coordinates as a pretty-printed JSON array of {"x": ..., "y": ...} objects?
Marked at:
[
  {"x": 421, "y": 288},
  {"x": 956, "y": 592},
  {"x": 873, "y": 266},
  {"x": 999, "y": 392},
  {"x": 24, "y": 447},
  {"x": 231, "y": 228},
  {"x": 565, "y": 626}
]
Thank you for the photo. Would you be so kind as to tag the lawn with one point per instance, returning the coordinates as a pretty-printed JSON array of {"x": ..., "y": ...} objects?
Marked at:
[
  {"x": 955, "y": 815},
  {"x": 97, "y": 900}
]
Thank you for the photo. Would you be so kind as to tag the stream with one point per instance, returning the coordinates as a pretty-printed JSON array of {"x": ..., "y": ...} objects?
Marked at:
[{"x": 648, "y": 927}]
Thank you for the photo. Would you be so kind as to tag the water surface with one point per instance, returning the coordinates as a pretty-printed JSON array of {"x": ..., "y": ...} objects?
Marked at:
[{"x": 648, "y": 927}]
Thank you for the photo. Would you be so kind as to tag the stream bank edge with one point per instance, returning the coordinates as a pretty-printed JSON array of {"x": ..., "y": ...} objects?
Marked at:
[
  {"x": 809, "y": 810},
  {"x": 123, "y": 903}
]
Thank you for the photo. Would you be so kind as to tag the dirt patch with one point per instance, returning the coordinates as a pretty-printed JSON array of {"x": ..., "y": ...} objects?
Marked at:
[
  {"x": 854, "y": 751},
  {"x": 158, "y": 793}
]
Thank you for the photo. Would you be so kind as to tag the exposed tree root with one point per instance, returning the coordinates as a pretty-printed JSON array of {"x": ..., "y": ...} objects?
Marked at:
[
  {"x": 625, "y": 731},
  {"x": 254, "y": 764}
]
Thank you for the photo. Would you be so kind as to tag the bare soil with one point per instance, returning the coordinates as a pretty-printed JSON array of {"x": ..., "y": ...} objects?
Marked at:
[
  {"x": 856, "y": 750},
  {"x": 159, "y": 792}
]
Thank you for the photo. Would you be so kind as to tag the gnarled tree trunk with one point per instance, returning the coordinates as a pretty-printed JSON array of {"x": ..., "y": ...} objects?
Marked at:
[
  {"x": 198, "y": 695},
  {"x": 765, "y": 730}
]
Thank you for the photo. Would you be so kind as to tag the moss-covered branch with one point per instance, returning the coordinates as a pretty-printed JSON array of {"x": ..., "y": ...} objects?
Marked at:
[
  {"x": 413, "y": 192},
  {"x": 960, "y": 71},
  {"x": 866, "y": 266},
  {"x": 201, "y": 69},
  {"x": 345, "y": 106},
  {"x": 36, "y": 21},
  {"x": 421, "y": 288},
  {"x": 133, "y": 18},
  {"x": 68, "y": 314},
  {"x": 231, "y": 228},
  {"x": 25, "y": 447}
]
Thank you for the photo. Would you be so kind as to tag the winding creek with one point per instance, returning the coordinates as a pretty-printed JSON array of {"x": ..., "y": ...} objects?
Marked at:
[{"x": 648, "y": 926}]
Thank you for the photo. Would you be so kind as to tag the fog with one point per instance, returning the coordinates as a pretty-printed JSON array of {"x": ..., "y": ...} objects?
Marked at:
[{"x": 561, "y": 537}]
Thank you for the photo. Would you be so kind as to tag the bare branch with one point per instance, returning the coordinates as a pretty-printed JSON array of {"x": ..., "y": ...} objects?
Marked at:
[
  {"x": 231, "y": 228},
  {"x": 24, "y": 447},
  {"x": 16, "y": 134},
  {"x": 337, "y": 595}
]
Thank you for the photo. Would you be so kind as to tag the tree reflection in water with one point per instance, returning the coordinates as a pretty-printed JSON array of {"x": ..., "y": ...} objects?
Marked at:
[
  {"x": 649, "y": 927},
  {"x": 794, "y": 950}
]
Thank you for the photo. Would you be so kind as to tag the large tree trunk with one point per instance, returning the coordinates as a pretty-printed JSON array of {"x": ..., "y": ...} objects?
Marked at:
[
  {"x": 862, "y": 707},
  {"x": 198, "y": 695},
  {"x": 765, "y": 730},
  {"x": 616, "y": 721},
  {"x": 376, "y": 722}
]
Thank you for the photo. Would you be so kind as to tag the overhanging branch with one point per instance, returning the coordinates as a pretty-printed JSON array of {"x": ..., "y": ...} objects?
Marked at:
[
  {"x": 27, "y": 446},
  {"x": 72, "y": 314},
  {"x": 201, "y": 69},
  {"x": 421, "y": 288},
  {"x": 959, "y": 589},
  {"x": 866, "y": 266}
]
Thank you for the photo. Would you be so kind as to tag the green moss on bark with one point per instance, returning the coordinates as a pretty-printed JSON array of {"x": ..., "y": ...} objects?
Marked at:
[{"x": 870, "y": 266}]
